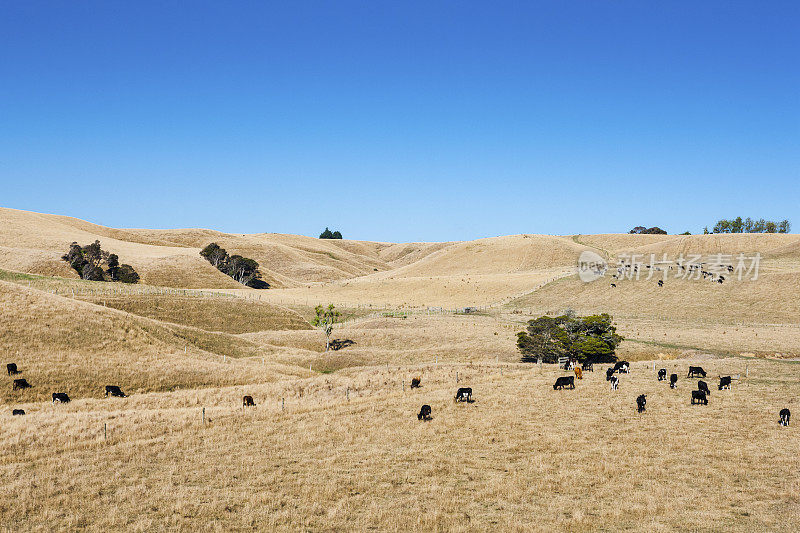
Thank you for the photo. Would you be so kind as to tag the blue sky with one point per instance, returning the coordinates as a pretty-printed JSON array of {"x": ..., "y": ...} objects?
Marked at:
[{"x": 402, "y": 121}]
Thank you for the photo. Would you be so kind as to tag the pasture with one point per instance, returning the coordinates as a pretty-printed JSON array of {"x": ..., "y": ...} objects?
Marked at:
[
  {"x": 333, "y": 442},
  {"x": 521, "y": 457}
]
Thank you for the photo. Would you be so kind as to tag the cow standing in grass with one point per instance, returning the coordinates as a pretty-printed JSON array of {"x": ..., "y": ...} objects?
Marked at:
[
  {"x": 641, "y": 401},
  {"x": 784, "y": 415},
  {"x": 464, "y": 394},
  {"x": 564, "y": 381},
  {"x": 673, "y": 381},
  {"x": 662, "y": 374},
  {"x": 424, "y": 413}
]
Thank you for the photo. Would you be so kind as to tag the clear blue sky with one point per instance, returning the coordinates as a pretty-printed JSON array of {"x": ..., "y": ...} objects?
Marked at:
[{"x": 402, "y": 121}]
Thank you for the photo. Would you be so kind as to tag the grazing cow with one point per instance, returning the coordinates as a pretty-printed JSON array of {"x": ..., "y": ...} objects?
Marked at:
[
  {"x": 662, "y": 374},
  {"x": 673, "y": 380},
  {"x": 613, "y": 284},
  {"x": 623, "y": 367},
  {"x": 694, "y": 371},
  {"x": 703, "y": 386},
  {"x": 661, "y": 283},
  {"x": 641, "y": 400},
  {"x": 20, "y": 412},
  {"x": 20, "y": 384},
  {"x": 247, "y": 401},
  {"x": 724, "y": 382},
  {"x": 578, "y": 373},
  {"x": 609, "y": 374},
  {"x": 700, "y": 397},
  {"x": 113, "y": 390},
  {"x": 415, "y": 383},
  {"x": 614, "y": 382},
  {"x": 12, "y": 369},
  {"x": 564, "y": 381},
  {"x": 587, "y": 366},
  {"x": 464, "y": 394},
  {"x": 784, "y": 414},
  {"x": 424, "y": 413},
  {"x": 60, "y": 397}
]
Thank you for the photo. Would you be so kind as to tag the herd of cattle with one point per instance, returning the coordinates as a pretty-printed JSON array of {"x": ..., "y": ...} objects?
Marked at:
[
  {"x": 464, "y": 394},
  {"x": 58, "y": 397}
]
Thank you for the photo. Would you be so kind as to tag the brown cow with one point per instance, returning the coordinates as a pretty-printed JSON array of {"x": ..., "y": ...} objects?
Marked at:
[
  {"x": 247, "y": 401},
  {"x": 415, "y": 383},
  {"x": 578, "y": 373}
]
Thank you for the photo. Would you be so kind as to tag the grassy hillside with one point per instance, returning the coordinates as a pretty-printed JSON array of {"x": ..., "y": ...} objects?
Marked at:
[{"x": 77, "y": 347}]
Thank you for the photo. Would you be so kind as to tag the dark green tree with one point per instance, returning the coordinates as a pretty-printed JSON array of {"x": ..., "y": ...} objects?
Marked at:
[
  {"x": 127, "y": 274},
  {"x": 326, "y": 234},
  {"x": 592, "y": 337}
]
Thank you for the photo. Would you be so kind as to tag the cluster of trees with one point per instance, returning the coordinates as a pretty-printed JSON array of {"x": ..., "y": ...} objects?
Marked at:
[
  {"x": 242, "y": 269},
  {"x": 548, "y": 338},
  {"x": 89, "y": 262},
  {"x": 328, "y": 234},
  {"x": 748, "y": 225},
  {"x": 643, "y": 230}
]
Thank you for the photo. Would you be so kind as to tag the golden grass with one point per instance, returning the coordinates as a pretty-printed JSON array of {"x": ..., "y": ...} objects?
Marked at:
[
  {"x": 211, "y": 314},
  {"x": 522, "y": 457},
  {"x": 348, "y": 452}
]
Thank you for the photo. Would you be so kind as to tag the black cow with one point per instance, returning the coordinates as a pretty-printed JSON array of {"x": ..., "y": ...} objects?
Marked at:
[
  {"x": 614, "y": 382},
  {"x": 784, "y": 414},
  {"x": 587, "y": 366},
  {"x": 662, "y": 374},
  {"x": 20, "y": 384},
  {"x": 724, "y": 382},
  {"x": 700, "y": 396},
  {"x": 609, "y": 373},
  {"x": 247, "y": 401},
  {"x": 703, "y": 386},
  {"x": 424, "y": 413},
  {"x": 20, "y": 412},
  {"x": 12, "y": 369},
  {"x": 696, "y": 370},
  {"x": 641, "y": 400},
  {"x": 113, "y": 390},
  {"x": 660, "y": 283},
  {"x": 415, "y": 383},
  {"x": 464, "y": 394},
  {"x": 60, "y": 397},
  {"x": 613, "y": 284},
  {"x": 564, "y": 381},
  {"x": 673, "y": 380}
]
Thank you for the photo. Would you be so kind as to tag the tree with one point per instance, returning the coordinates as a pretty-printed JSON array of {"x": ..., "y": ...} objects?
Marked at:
[
  {"x": 642, "y": 230},
  {"x": 686, "y": 233},
  {"x": 127, "y": 274},
  {"x": 325, "y": 319},
  {"x": 637, "y": 230},
  {"x": 328, "y": 234},
  {"x": 113, "y": 267},
  {"x": 705, "y": 231},
  {"x": 242, "y": 269},
  {"x": 770, "y": 227},
  {"x": 591, "y": 337},
  {"x": 88, "y": 261},
  {"x": 215, "y": 255},
  {"x": 784, "y": 226}
]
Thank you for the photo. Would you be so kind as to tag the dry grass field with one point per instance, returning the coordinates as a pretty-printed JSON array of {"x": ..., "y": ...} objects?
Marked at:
[{"x": 334, "y": 443}]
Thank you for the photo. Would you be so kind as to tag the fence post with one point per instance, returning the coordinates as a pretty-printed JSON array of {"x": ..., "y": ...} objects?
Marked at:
[
  {"x": 204, "y": 415},
  {"x": 282, "y": 401},
  {"x": 105, "y": 431},
  {"x": 347, "y": 393},
  {"x": 456, "y": 377}
]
